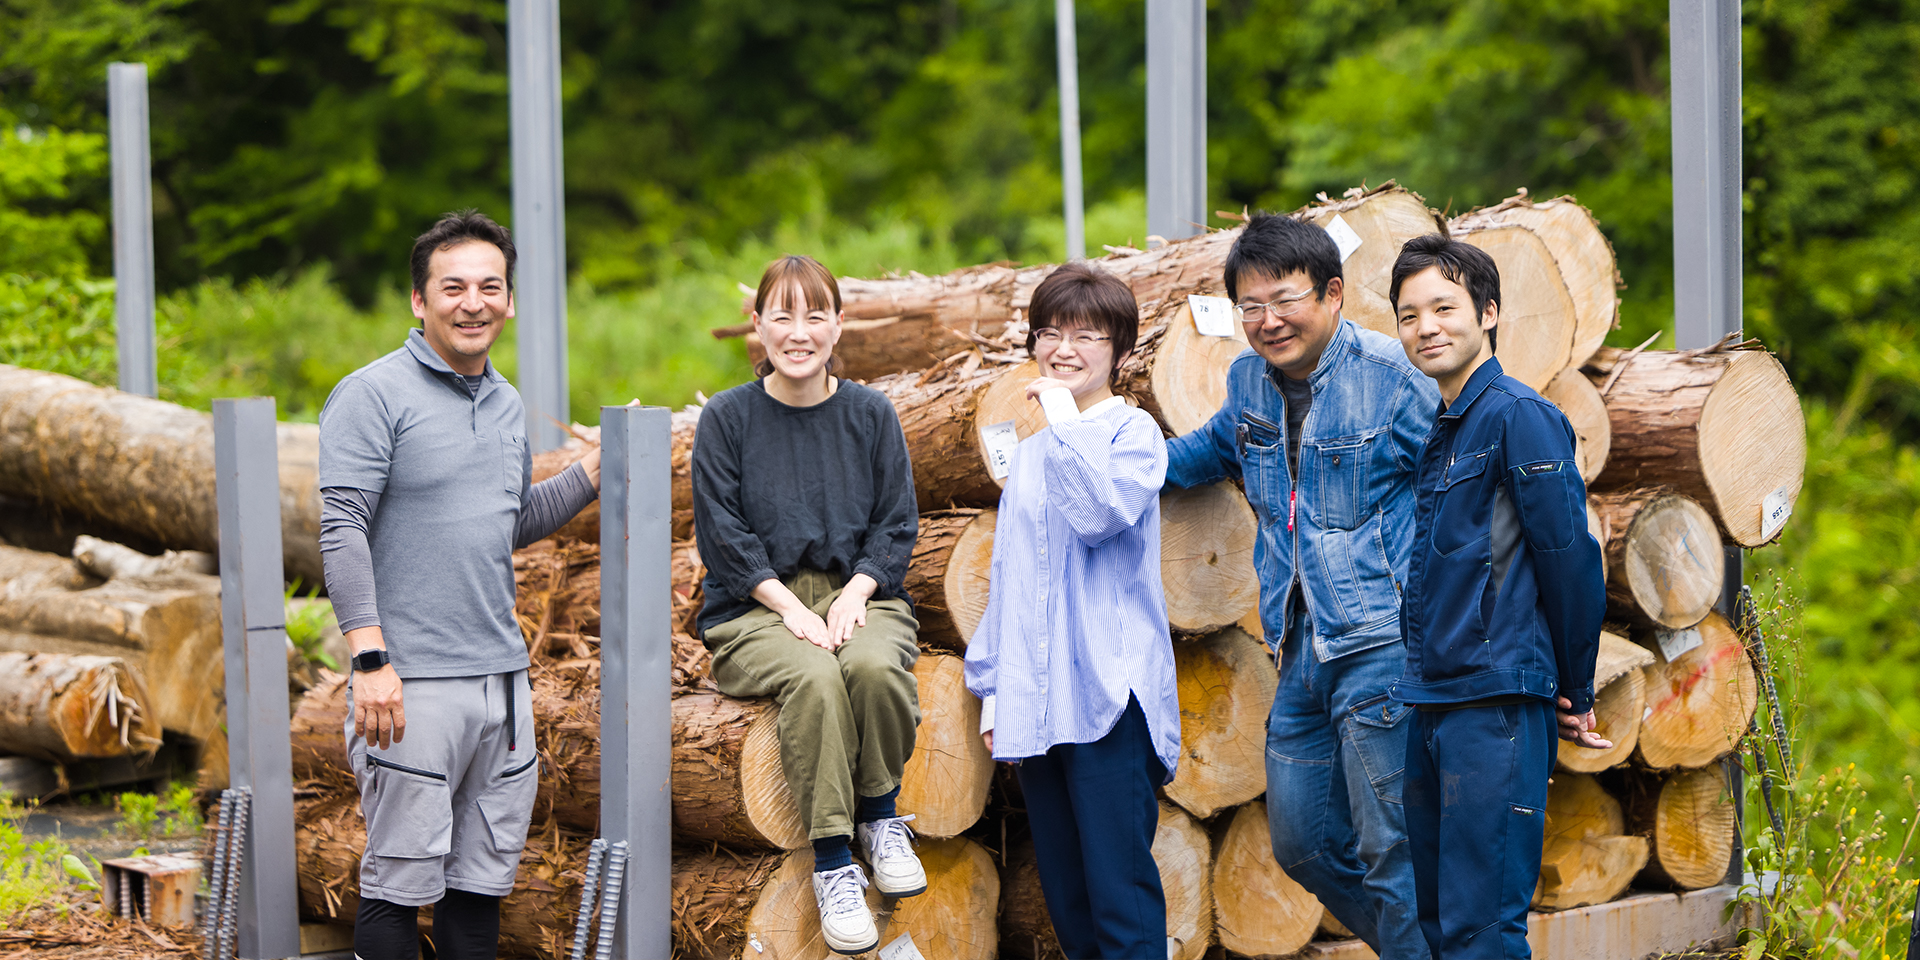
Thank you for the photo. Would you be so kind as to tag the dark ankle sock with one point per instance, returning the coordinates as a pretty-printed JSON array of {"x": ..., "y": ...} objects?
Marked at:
[
  {"x": 876, "y": 808},
  {"x": 466, "y": 926},
  {"x": 384, "y": 930},
  {"x": 832, "y": 853}
]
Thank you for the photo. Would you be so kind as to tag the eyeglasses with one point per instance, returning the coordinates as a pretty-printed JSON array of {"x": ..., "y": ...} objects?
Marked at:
[
  {"x": 1281, "y": 308},
  {"x": 1052, "y": 338}
]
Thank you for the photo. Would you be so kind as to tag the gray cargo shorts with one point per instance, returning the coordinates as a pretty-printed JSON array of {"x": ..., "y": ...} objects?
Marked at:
[{"x": 448, "y": 806}]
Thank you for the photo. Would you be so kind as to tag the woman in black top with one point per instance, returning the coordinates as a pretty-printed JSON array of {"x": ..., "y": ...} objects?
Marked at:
[{"x": 804, "y": 510}]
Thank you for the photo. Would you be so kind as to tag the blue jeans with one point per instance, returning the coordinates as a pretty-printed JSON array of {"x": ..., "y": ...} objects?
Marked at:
[
  {"x": 1481, "y": 831},
  {"x": 1336, "y": 749}
]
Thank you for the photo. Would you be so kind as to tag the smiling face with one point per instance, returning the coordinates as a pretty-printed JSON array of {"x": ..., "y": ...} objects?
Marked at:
[
  {"x": 466, "y": 303},
  {"x": 1439, "y": 330},
  {"x": 1292, "y": 344},
  {"x": 798, "y": 336},
  {"x": 1085, "y": 369}
]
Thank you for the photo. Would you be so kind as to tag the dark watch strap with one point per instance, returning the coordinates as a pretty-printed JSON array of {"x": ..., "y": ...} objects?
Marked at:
[{"x": 367, "y": 661}]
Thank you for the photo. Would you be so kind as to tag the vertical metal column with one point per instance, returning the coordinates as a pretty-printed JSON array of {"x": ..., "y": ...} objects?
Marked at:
[
  {"x": 636, "y": 511},
  {"x": 129, "y": 149},
  {"x": 253, "y": 624},
  {"x": 539, "y": 216},
  {"x": 1705, "y": 66},
  {"x": 1176, "y": 117},
  {"x": 1072, "y": 194}
]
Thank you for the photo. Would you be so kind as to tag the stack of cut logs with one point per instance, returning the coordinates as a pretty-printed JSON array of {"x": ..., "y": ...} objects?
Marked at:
[{"x": 1685, "y": 452}]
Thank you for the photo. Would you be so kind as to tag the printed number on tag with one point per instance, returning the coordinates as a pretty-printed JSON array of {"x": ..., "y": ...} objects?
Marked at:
[
  {"x": 901, "y": 949},
  {"x": 999, "y": 439},
  {"x": 1675, "y": 643},
  {"x": 1212, "y": 316},
  {"x": 1343, "y": 237},
  {"x": 1774, "y": 511}
]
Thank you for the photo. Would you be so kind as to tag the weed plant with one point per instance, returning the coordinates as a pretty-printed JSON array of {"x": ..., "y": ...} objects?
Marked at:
[
  {"x": 32, "y": 874},
  {"x": 307, "y": 626}
]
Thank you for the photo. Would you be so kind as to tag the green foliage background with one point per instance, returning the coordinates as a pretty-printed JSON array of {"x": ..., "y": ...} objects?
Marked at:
[{"x": 299, "y": 145}]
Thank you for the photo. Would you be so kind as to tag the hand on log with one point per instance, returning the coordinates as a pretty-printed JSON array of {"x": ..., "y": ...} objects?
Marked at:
[{"x": 1580, "y": 728}]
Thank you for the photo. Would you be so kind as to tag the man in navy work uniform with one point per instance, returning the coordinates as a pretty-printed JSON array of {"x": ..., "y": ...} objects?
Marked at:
[
  {"x": 1323, "y": 421},
  {"x": 1503, "y": 608},
  {"x": 425, "y": 494}
]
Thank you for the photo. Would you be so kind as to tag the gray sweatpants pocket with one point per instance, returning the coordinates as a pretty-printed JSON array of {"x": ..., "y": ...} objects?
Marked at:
[
  {"x": 409, "y": 812},
  {"x": 507, "y": 806}
]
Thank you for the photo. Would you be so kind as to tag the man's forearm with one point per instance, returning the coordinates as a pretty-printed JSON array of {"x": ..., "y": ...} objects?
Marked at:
[{"x": 365, "y": 638}]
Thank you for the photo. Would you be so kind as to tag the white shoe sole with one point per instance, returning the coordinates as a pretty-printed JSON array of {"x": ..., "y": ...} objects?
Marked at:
[{"x": 852, "y": 951}]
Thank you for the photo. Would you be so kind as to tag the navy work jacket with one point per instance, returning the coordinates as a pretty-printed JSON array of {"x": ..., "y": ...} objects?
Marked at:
[{"x": 1504, "y": 594}]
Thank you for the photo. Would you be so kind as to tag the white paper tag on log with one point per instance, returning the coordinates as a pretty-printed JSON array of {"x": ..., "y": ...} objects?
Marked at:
[
  {"x": 1675, "y": 643},
  {"x": 1343, "y": 237},
  {"x": 901, "y": 949},
  {"x": 1774, "y": 511},
  {"x": 999, "y": 439},
  {"x": 1212, "y": 316}
]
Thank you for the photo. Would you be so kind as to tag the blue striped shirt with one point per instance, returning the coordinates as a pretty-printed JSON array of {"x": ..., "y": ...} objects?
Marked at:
[{"x": 1076, "y": 620}]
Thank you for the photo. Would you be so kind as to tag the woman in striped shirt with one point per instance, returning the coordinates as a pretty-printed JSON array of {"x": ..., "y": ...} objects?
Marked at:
[{"x": 1073, "y": 662}]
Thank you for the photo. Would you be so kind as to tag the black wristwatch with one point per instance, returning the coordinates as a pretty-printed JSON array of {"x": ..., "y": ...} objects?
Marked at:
[{"x": 367, "y": 661}]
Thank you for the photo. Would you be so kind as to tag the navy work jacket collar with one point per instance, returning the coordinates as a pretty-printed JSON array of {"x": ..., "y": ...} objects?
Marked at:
[{"x": 1476, "y": 385}]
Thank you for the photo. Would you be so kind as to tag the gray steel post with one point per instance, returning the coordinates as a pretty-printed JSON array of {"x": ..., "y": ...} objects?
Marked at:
[
  {"x": 253, "y": 620},
  {"x": 636, "y": 512},
  {"x": 1705, "y": 67},
  {"x": 539, "y": 216},
  {"x": 1072, "y": 194},
  {"x": 129, "y": 151},
  {"x": 1176, "y": 117}
]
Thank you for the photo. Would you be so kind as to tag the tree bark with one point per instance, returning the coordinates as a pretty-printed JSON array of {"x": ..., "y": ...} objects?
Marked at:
[
  {"x": 1620, "y": 697},
  {"x": 141, "y": 464},
  {"x": 1586, "y": 859},
  {"x": 1664, "y": 562},
  {"x": 65, "y": 708},
  {"x": 945, "y": 783},
  {"x": 1690, "y": 820},
  {"x": 1227, "y": 681},
  {"x": 948, "y": 575},
  {"x": 166, "y": 629},
  {"x": 1535, "y": 334},
  {"x": 1582, "y": 253},
  {"x": 585, "y": 526},
  {"x": 1722, "y": 426},
  {"x": 1579, "y": 399},
  {"x": 1698, "y": 702},
  {"x": 942, "y": 425},
  {"x": 1260, "y": 912}
]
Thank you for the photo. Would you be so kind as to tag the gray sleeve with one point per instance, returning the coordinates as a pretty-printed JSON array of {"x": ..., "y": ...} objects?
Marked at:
[
  {"x": 550, "y": 503},
  {"x": 345, "y": 515}
]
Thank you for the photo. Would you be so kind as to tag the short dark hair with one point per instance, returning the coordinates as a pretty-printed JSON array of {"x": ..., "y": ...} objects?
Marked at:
[
  {"x": 1460, "y": 262},
  {"x": 1079, "y": 295},
  {"x": 456, "y": 228},
  {"x": 1276, "y": 245}
]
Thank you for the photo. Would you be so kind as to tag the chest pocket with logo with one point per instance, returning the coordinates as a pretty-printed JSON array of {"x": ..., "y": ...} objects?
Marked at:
[
  {"x": 1263, "y": 466},
  {"x": 1463, "y": 507}
]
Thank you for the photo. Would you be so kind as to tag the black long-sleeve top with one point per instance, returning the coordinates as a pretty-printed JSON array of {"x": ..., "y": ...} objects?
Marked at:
[{"x": 779, "y": 489}]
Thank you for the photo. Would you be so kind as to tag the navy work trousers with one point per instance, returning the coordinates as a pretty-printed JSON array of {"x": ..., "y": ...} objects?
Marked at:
[
  {"x": 1476, "y": 796},
  {"x": 1093, "y": 813}
]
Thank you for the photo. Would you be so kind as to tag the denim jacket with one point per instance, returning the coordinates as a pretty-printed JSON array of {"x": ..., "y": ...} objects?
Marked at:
[
  {"x": 1505, "y": 596},
  {"x": 1349, "y": 531}
]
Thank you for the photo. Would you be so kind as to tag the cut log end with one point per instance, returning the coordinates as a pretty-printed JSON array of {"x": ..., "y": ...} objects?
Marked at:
[
  {"x": 1665, "y": 563},
  {"x": 1689, "y": 817},
  {"x": 1226, "y": 682},
  {"x": 1587, "y": 859},
  {"x": 946, "y": 780},
  {"x": 1206, "y": 557},
  {"x": 1698, "y": 702},
  {"x": 1536, "y": 311},
  {"x": 1579, "y": 399},
  {"x": 1184, "y": 853},
  {"x": 1189, "y": 372},
  {"x": 954, "y": 918},
  {"x": 1619, "y": 700},
  {"x": 1259, "y": 911}
]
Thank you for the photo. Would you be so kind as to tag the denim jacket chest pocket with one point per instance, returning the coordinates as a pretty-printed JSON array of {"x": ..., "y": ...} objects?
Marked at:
[
  {"x": 1263, "y": 466},
  {"x": 1335, "y": 476},
  {"x": 1464, "y": 502}
]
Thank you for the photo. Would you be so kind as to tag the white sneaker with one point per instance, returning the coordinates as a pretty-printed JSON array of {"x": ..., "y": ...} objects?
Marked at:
[
  {"x": 845, "y": 922},
  {"x": 887, "y": 846}
]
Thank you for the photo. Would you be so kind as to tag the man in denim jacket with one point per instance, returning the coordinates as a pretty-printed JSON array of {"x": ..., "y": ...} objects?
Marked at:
[
  {"x": 1324, "y": 421},
  {"x": 1503, "y": 610}
]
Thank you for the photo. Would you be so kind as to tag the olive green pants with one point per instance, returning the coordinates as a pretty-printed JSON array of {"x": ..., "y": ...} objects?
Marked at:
[{"x": 847, "y": 717}]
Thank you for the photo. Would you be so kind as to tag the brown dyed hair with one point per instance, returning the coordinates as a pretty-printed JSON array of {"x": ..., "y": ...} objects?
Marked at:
[
  {"x": 1078, "y": 295},
  {"x": 817, "y": 287}
]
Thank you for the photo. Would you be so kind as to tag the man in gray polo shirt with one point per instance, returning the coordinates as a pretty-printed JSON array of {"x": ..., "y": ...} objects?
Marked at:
[{"x": 425, "y": 488}]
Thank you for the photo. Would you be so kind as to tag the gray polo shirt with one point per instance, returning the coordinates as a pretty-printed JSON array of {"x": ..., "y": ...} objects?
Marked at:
[{"x": 448, "y": 467}]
